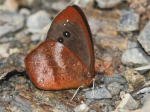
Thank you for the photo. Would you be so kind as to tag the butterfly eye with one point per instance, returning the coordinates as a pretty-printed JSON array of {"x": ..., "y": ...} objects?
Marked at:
[
  {"x": 60, "y": 39},
  {"x": 66, "y": 34}
]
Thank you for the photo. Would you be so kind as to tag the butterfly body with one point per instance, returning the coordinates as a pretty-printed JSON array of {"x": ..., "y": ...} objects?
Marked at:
[{"x": 66, "y": 58}]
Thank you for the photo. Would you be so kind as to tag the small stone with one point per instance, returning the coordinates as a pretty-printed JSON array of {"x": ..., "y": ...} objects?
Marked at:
[
  {"x": 146, "y": 107},
  {"x": 144, "y": 38},
  {"x": 37, "y": 21},
  {"x": 10, "y": 22},
  {"x": 114, "y": 88},
  {"x": 145, "y": 97},
  {"x": 59, "y": 5},
  {"x": 44, "y": 32},
  {"x": 11, "y": 5},
  {"x": 144, "y": 90},
  {"x": 116, "y": 77},
  {"x": 108, "y": 3},
  {"x": 129, "y": 21},
  {"x": 35, "y": 37},
  {"x": 134, "y": 55},
  {"x": 25, "y": 12},
  {"x": 134, "y": 78},
  {"x": 85, "y": 3},
  {"x": 92, "y": 111},
  {"x": 4, "y": 50},
  {"x": 98, "y": 93},
  {"x": 127, "y": 103},
  {"x": 81, "y": 108}
]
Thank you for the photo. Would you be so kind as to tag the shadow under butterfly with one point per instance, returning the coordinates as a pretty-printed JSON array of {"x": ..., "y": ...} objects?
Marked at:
[{"x": 66, "y": 58}]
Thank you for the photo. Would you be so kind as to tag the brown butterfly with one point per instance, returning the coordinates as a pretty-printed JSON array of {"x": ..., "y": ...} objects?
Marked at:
[{"x": 66, "y": 58}]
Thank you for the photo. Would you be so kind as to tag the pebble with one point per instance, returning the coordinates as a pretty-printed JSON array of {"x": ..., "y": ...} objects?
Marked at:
[
  {"x": 144, "y": 98},
  {"x": 59, "y": 5},
  {"x": 144, "y": 90},
  {"x": 108, "y": 3},
  {"x": 44, "y": 32},
  {"x": 116, "y": 77},
  {"x": 144, "y": 38},
  {"x": 37, "y": 21},
  {"x": 10, "y": 22},
  {"x": 4, "y": 50},
  {"x": 146, "y": 107},
  {"x": 98, "y": 93},
  {"x": 134, "y": 56},
  {"x": 127, "y": 103},
  {"x": 114, "y": 88},
  {"x": 134, "y": 78},
  {"x": 25, "y": 12},
  {"x": 84, "y": 3},
  {"x": 81, "y": 108},
  {"x": 35, "y": 37},
  {"x": 129, "y": 21},
  {"x": 11, "y": 5}
]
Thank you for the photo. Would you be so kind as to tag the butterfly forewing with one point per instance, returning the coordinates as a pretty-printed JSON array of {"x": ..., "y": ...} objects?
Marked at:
[{"x": 78, "y": 35}]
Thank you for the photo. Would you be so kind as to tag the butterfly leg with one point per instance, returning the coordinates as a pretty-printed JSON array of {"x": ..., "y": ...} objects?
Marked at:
[{"x": 76, "y": 92}]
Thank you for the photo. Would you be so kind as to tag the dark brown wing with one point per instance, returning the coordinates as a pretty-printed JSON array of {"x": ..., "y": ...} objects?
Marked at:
[{"x": 71, "y": 28}]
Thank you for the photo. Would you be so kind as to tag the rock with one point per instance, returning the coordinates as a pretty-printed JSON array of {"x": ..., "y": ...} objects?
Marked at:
[
  {"x": 111, "y": 42},
  {"x": 116, "y": 77},
  {"x": 44, "y": 32},
  {"x": 35, "y": 37},
  {"x": 127, "y": 103},
  {"x": 37, "y": 21},
  {"x": 134, "y": 56},
  {"x": 81, "y": 108},
  {"x": 134, "y": 78},
  {"x": 85, "y": 3},
  {"x": 129, "y": 21},
  {"x": 98, "y": 93},
  {"x": 92, "y": 111},
  {"x": 144, "y": 90},
  {"x": 144, "y": 38},
  {"x": 10, "y": 22},
  {"x": 59, "y": 5},
  {"x": 4, "y": 50},
  {"x": 108, "y": 3},
  {"x": 146, "y": 107},
  {"x": 23, "y": 105},
  {"x": 114, "y": 88},
  {"x": 11, "y": 5},
  {"x": 145, "y": 97},
  {"x": 25, "y": 12}
]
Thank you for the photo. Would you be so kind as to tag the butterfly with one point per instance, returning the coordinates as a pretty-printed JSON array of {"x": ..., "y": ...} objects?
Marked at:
[{"x": 66, "y": 58}]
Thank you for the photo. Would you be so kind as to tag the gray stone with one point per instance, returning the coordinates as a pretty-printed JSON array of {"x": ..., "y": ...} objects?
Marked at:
[
  {"x": 134, "y": 55},
  {"x": 129, "y": 21},
  {"x": 81, "y": 108},
  {"x": 98, "y": 93},
  {"x": 35, "y": 37},
  {"x": 116, "y": 77},
  {"x": 92, "y": 111},
  {"x": 108, "y": 3},
  {"x": 114, "y": 88},
  {"x": 59, "y": 5},
  {"x": 10, "y": 22},
  {"x": 25, "y": 12},
  {"x": 145, "y": 97},
  {"x": 127, "y": 103},
  {"x": 85, "y": 3},
  {"x": 37, "y": 21},
  {"x": 144, "y": 90},
  {"x": 132, "y": 45},
  {"x": 144, "y": 38}
]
